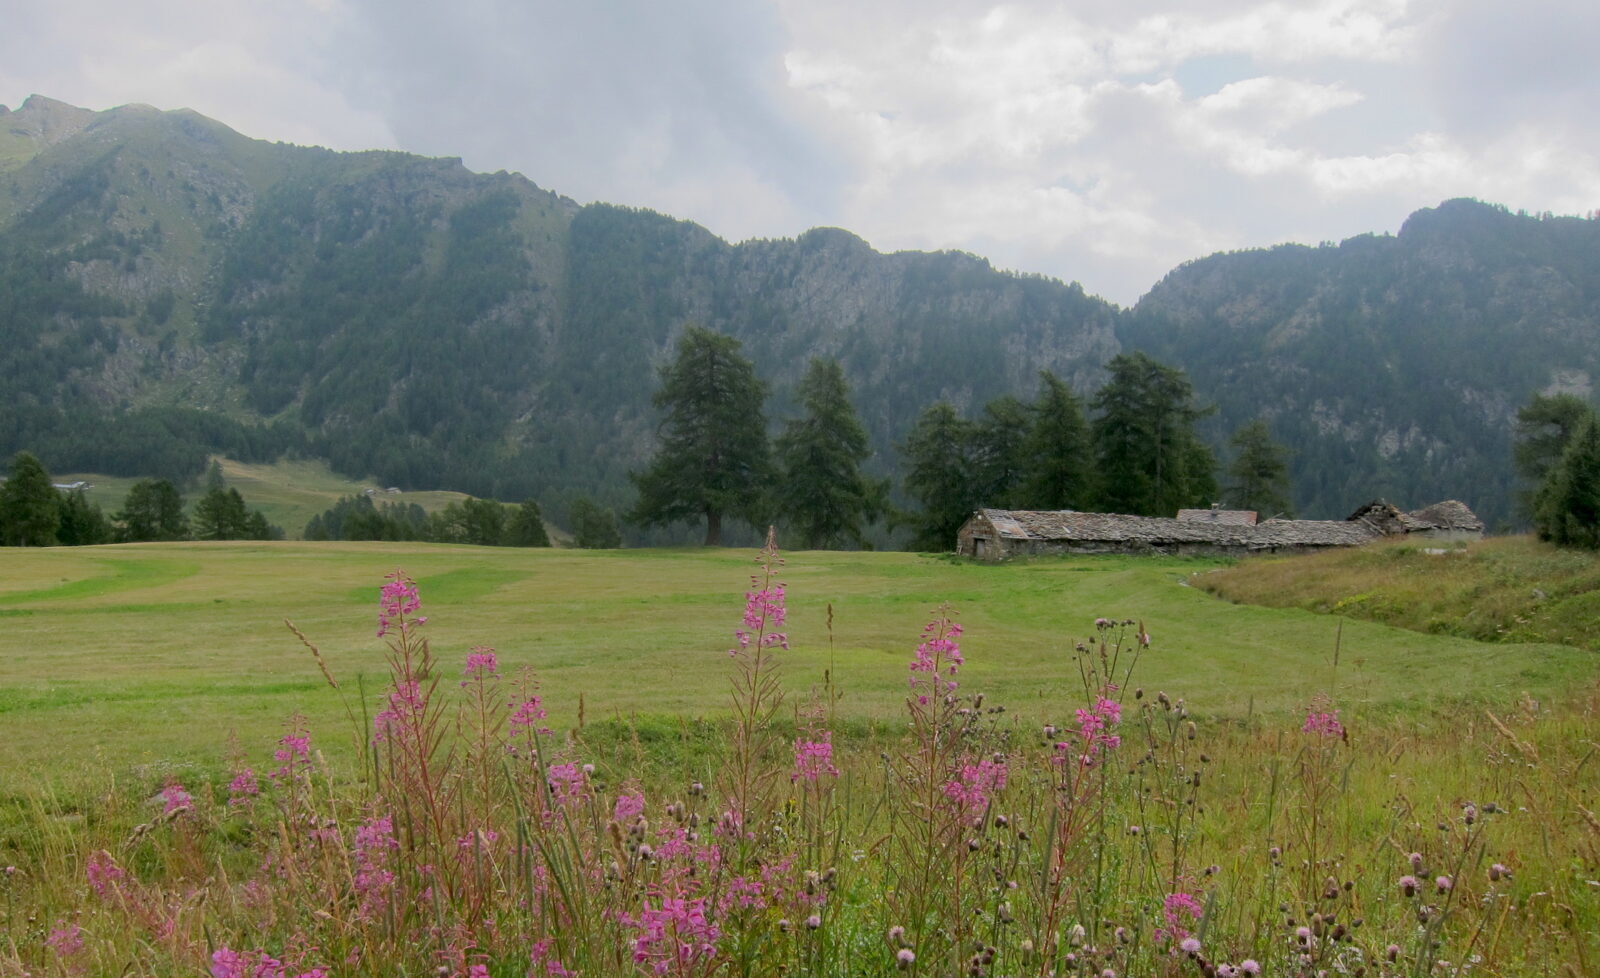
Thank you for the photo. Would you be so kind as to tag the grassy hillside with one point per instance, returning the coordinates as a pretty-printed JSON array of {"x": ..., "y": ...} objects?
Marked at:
[
  {"x": 288, "y": 492},
  {"x": 1505, "y": 589},
  {"x": 157, "y": 652}
]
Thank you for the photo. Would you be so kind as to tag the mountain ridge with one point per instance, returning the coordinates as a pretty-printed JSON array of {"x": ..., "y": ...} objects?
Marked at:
[{"x": 182, "y": 287}]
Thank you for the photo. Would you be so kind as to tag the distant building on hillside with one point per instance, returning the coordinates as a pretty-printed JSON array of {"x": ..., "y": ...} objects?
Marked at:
[{"x": 996, "y": 534}]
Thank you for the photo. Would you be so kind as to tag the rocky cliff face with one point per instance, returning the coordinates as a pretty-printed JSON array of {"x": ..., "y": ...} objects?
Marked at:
[{"x": 1392, "y": 365}]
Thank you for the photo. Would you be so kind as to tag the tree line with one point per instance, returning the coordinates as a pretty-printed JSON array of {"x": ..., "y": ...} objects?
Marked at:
[
  {"x": 1557, "y": 451},
  {"x": 1137, "y": 453},
  {"x": 480, "y": 522},
  {"x": 34, "y": 513}
]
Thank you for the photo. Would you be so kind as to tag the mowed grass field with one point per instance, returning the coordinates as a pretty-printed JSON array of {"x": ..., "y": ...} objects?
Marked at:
[
  {"x": 288, "y": 492},
  {"x": 139, "y": 656}
]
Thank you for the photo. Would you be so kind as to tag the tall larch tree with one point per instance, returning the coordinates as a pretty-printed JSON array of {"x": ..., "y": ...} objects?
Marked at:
[
  {"x": 30, "y": 507},
  {"x": 1059, "y": 465},
  {"x": 998, "y": 461},
  {"x": 1149, "y": 459},
  {"x": 1258, "y": 476},
  {"x": 821, "y": 493},
  {"x": 713, "y": 461},
  {"x": 1567, "y": 508},
  {"x": 939, "y": 477}
]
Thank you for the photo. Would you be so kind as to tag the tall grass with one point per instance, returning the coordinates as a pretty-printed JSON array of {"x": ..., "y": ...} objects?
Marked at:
[{"x": 1121, "y": 837}]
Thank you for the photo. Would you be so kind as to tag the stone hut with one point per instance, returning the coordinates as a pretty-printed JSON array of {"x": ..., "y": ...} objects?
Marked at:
[{"x": 996, "y": 534}]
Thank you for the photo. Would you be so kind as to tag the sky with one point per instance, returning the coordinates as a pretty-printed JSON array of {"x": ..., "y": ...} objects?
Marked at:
[{"x": 1098, "y": 141}]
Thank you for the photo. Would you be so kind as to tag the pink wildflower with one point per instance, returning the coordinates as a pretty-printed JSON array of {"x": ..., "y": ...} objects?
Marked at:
[
  {"x": 1189, "y": 946},
  {"x": 977, "y": 783},
  {"x": 373, "y": 880},
  {"x": 227, "y": 963},
  {"x": 1408, "y": 885},
  {"x": 1179, "y": 910},
  {"x": 66, "y": 939},
  {"x": 674, "y": 937},
  {"x": 481, "y": 664},
  {"x": 1092, "y": 726},
  {"x": 627, "y": 808},
  {"x": 396, "y": 601},
  {"x": 103, "y": 872},
  {"x": 813, "y": 758},
  {"x": 567, "y": 782},
  {"x": 763, "y": 610},
  {"x": 1323, "y": 724},
  {"x": 526, "y": 715},
  {"x": 175, "y": 797},
  {"x": 242, "y": 788}
]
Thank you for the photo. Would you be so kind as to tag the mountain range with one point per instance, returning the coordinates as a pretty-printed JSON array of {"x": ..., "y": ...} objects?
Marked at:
[{"x": 170, "y": 288}]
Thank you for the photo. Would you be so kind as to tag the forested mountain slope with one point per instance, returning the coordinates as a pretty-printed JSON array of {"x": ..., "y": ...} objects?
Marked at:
[
  {"x": 1392, "y": 365},
  {"x": 169, "y": 288},
  {"x": 176, "y": 288}
]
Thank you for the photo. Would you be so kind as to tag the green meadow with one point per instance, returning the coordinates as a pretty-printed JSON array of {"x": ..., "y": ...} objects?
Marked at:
[
  {"x": 139, "y": 656},
  {"x": 288, "y": 492}
]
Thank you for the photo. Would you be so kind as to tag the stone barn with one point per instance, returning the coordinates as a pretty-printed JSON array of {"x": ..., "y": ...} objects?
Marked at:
[{"x": 997, "y": 534}]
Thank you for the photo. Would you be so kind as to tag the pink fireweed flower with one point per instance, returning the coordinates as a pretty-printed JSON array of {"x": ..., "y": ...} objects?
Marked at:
[
  {"x": 175, "y": 798},
  {"x": 292, "y": 749},
  {"x": 627, "y": 808},
  {"x": 481, "y": 664},
  {"x": 66, "y": 939},
  {"x": 227, "y": 963},
  {"x": 373, "y": 881},
  {"x": 674, "y": 937},
  {"x": 566, "y": 782},
  {"x": 764, "y": 612},
  {"x": 978, "y": 782},
  {"x": 1093, "y": 726},
  {"x": 405, "y": 709},
  {"x": 103, "y": 872},
  {"x": 813, "y": 758},
  {"x": 525, "y": 716},
  {"x": 937, "y": 659},
  {"x": 1178, "y": 910},
  {"x": 1323, "y": 724},
  {"x": 243, "y": 788},
  {"x": 397, "y": 601}
]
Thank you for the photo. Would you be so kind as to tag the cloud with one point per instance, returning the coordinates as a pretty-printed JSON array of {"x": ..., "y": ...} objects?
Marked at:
[{"x": 683, "y": 108}]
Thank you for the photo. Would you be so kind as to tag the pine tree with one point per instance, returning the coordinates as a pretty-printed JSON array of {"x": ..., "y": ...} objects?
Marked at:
[
  {"x": 939, "y": 477},
  {"x": 1259, "y": 472},
  {"x": 713, "y": 459},
  {"x": 526, "y": 528},
  {"x": 82, "y": 522},
  {"x": 821, "y": 492},
  {"x": 998, "y": 461},
  {"x": 1544, "y": 427},
  {"x": 1058, "y": 466},
  {"x": 1150, "y": 462},
  {"x": 1567, "y": 510},
  {"x": 30, "y": 507},
  {"x": 594, "y": 527},
  {"x": 153, "y": 510},
  {"x": 220, "y": 515}
]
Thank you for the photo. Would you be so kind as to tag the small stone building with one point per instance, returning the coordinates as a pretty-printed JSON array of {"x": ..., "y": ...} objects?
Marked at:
[{"x": 996, "y": 534}]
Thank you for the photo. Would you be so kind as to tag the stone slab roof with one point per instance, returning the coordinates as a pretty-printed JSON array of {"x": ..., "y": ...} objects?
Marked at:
[
  {"x": 1450, "y": 514},
  {"x": 1234, "y": 517},
  {"x": 1155, "y": 531}
]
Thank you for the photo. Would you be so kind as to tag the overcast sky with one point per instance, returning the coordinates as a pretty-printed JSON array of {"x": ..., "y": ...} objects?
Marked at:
[{"x": 1102, "y": 141}]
